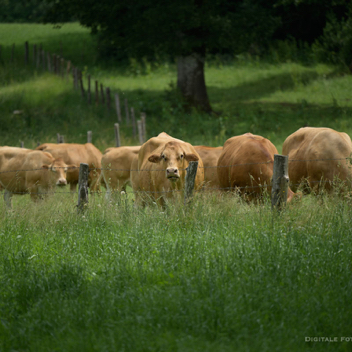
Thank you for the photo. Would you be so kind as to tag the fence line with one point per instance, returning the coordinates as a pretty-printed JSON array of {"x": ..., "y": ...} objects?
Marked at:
[
  {"x": 146, "y": 170},
  {"x": 63, "y": 68}
]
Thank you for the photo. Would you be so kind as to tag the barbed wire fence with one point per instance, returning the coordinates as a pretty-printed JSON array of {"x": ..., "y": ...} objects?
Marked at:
[
  {"x": 43, "y": 60},
  {"x": 279, "y": 183}
]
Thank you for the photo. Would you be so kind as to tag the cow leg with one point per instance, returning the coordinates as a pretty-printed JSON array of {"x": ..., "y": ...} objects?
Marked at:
[{"x": 8, "y": 198}]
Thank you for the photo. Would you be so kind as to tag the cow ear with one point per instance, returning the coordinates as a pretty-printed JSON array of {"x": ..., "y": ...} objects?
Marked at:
[
  {"x": 191, "y": 157},
  {"x": 45, "y": 166},
  {"x": 154, "y": 158}
]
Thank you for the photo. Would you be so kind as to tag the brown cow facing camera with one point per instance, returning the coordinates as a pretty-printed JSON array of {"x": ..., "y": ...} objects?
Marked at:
[{"x": 162, "y": 163}]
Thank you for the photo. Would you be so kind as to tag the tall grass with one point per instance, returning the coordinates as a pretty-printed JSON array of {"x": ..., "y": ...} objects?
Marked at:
[{"x": 219, "y": 275}]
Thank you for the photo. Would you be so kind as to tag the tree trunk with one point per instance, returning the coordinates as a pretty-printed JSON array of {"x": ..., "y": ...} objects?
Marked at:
[{"x": 191, "y": 82}]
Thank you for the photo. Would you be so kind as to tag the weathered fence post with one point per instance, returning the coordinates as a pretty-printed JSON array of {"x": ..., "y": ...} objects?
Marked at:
[
  {"x": 140, "y": 132},
  {"x": 96, "y": 92},
  {"x": 118, "y": 107},
  {"x": 89, "y": 98},
  {"x": 13, "y": 53},
  {"x": 62, "y": 139},
  {"x": 117, "y": 135},
  {"x": 190, "y": 180},
  {"x": 133, "y": 123},
  {"x": 58, "y": 138},
  {"x": 81, "y": 83},
  {"x": 39, "y": 56},
  {"x": 102, "y": 94},
  {"x": 144, "y": 125},
  {"x": 126, "y": 110},
  {"x": 108, "y": 98},
  {"x": 89, "y": 137},
  {"x": 48, "y": 60},
  {"x": 82, "y": 188},
  {"x": 68, "y": 69},
  {"x": 279, "y": 182},
  {"x": 34, "y": 54},
  {"x": 22, "y": 144},
  {"x": 26, "y": 53}
]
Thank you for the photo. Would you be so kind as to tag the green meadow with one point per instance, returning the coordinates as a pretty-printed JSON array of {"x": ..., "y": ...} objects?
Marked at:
[{"x": 217, "y": 275}]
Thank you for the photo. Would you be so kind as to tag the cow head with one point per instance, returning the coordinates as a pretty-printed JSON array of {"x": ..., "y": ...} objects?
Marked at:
[
  {"x": 172, "y": 159},
  {"x": 58, "y": 170}
]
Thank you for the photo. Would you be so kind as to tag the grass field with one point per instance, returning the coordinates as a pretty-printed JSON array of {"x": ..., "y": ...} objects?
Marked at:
[{"x": 218, "y": 275}]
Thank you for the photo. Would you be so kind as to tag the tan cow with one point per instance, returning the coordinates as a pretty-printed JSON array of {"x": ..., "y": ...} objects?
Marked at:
[
  {"x": 162, "y": 163},
  {"x": 30, "y": 171},
  {"x": 210, "y": 157},
  {"x": 74, "y": 154},
  {"x": 317, "y": 157},
  {"x": 116, "y": 166},
  {"x": 246, "y": 164}
]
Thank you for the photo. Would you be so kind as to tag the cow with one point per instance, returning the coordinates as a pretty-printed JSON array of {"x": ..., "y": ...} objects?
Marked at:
[
  {"x": 162, "y": 163},
  {"x": 116, "y": 166},
  {"x": 318, "y": 156},
  {"x": 30, "y": 171},
  {"x": 75, "y": 154},
  {"x": 210, "y": 157},
  {"x": 246, "y": 165}
]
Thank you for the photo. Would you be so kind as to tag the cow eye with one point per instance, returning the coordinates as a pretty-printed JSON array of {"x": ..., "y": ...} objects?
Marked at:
[
  {"x": 164, "y": 157},
  {"x": 182, "y": 156}
]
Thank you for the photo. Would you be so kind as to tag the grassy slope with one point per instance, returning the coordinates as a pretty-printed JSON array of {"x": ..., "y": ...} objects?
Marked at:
[
  {"x": 221, "y": 275},
  {"x": 271, "y": 100}
]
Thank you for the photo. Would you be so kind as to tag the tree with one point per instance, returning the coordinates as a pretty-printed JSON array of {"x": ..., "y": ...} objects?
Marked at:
[{"x": 182, "y": 29}]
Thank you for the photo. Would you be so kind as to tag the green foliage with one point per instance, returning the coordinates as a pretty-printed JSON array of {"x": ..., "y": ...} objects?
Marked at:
[
  {"x": 23, "y": 10},
  {"x": 335, "y": 45}
]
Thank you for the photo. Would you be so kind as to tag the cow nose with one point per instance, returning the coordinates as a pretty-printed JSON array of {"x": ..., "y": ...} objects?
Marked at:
[
  {"x": 61, "y": 182},
  {"x": 172, "y": 171}
]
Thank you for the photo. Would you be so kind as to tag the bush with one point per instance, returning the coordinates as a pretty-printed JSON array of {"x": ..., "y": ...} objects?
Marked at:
[{"x": 335, "y": 45}]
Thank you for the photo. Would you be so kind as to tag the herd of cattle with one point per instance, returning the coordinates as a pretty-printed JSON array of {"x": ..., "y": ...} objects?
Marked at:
[{"x": 317, "y": 156}]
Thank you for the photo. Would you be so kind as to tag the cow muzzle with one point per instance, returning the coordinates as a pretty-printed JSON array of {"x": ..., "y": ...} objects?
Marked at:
[
  {"x": 61, "y": 182},
  {"x": 172, "y": 174}
]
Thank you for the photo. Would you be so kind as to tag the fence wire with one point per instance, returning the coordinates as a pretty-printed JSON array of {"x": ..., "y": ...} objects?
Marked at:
[{"x": 203, "y": 189}]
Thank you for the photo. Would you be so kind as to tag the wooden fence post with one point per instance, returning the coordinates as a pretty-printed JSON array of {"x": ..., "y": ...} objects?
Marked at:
[
  {"x": 58, "y": 138},
  {"x": 22, "y": 144},
  {"x": 48, "y": 60},
  {"x": 39, "y": 56},
  {"x": 118, "y": 107},
  {"x": 117, "y": 135},
  {"x": 81, "y": 83},
  {"x": 34, "y": 54},
  {"x": 140, "y": 132},
  {"x": 96, "y": 92},
  {"x": 43, "y": 59},
  {"x": 108, "y": 98},
  {"x": 82, "y": 188},
  {"x": 144, "y": 125},
  {"x": 68, "y": 69},
  {"x": 62, "y": 139},
  {"x": 89, "y": 97},
  {"x": 127, "y": 113},
  {"x": 26, "y": 53},
  {"x": 13, "y": 53},
  {"x": 279, "y": 182},
  {"x": 102, "y": 94},
  {"x": 133, "y": 123},
  {"x": 190, "y": 180},
  {"x": 89, "y": 137}
]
